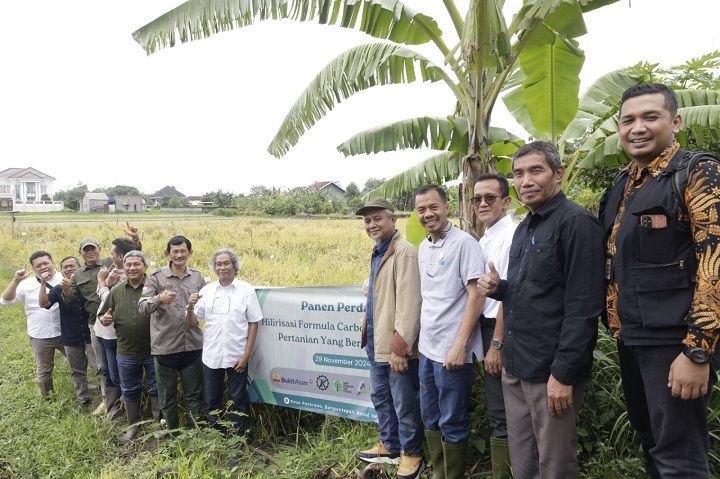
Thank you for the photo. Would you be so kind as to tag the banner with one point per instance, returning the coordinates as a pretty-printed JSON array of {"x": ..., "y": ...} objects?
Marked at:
[{"x": 307, "y": 353}]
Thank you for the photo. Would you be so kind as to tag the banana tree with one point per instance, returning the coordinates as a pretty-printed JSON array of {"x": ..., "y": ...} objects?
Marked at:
[{"x": 534, "y": 56}]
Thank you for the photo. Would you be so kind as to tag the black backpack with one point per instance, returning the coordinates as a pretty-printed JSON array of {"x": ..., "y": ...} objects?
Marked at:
[{"x": 682, "y": 172}]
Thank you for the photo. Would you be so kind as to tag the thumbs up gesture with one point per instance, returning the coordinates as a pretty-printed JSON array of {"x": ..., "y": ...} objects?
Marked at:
[
  {"x": 168, "y": 295},
  {"x": 107, "y": 318},
  {"x": 488, "y": 283}
]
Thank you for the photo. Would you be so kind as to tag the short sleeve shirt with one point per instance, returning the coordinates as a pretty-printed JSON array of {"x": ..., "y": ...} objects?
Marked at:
[
  {"x": 41, "y": 323},
  {"x": 445, "y": 269}
]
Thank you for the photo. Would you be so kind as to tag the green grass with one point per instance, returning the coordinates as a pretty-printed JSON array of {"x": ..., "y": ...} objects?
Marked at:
[{"x": 55, "y": 439}]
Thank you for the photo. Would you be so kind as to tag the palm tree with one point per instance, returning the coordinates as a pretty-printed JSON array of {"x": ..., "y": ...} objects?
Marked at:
[{"x": 535, "y": 58}]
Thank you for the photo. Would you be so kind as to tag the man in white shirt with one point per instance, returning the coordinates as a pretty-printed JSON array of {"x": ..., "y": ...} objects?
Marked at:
[
  {"x": 43, "y": 325},
  {"x": 231, "y": 312},
  {"x": 450, "y": 263},
  {"x": 491, "y": 199}
]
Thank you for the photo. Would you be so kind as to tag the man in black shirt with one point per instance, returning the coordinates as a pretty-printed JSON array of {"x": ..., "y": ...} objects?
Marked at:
[
  {"x": 74, "y": 331},
  {"x": 551, "y": 300}
]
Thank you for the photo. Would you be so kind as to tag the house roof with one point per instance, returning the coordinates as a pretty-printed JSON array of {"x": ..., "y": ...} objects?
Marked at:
[
  {"x": 25, "y": 174},
  {"x": 319, "y": 185},
  {"x": 166, "y": 192},
  {"x": 95, "y": 196}
]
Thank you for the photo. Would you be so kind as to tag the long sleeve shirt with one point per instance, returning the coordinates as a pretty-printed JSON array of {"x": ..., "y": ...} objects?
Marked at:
[{"x": 553, "y": 295}]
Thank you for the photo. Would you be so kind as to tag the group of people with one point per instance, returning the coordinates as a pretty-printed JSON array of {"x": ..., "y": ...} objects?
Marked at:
[
  {"x": 132, "y": 328},
  {"x": 526, "y": 300}
]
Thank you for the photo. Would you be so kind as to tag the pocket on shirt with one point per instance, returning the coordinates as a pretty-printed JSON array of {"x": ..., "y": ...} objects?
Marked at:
[
  {"x": 664, "y": 294},
  {"x": 655, "y": 239},
  {"x": 542, "y": 264}
]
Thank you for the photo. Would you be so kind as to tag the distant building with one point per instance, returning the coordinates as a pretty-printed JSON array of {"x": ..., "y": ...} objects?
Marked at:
[
  {"x": 27, "y": 189},
  {"x": 328, "y": 187},
  {"x": 162, "y": 196},
  {"x": 128, "y": 203},
  {"x": 94, "y": 203}
]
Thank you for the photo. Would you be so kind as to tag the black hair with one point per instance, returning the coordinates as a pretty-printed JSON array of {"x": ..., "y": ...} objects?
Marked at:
[
  {"x": 39, "y": 254},
  {"x": 124, "y": 246},
  {"x": 70, "y": 257},
  {"x": 424, "y": 189},
  {"x": 548, "y": 150},
  {"x": 502, "y": 181},
  {"x": 650, "y": 89},
  {"x": 176, "y": 241}
]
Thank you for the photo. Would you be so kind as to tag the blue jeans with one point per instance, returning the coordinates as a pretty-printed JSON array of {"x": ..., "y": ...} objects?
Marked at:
[
  {"x": 131, "y": 370},
  {"x": 395, "y": 397},
  {"x": 444, "y": 399},
  {"x": 108, "y": 359},
  {"x": 237, "y": 393}
]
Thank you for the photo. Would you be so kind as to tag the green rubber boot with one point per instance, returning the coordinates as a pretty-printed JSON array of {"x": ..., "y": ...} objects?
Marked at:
[
  {"x": 435, "y": 450},
  {"x": 500, "y": 458},
  {"x": 454, "y": 453}
]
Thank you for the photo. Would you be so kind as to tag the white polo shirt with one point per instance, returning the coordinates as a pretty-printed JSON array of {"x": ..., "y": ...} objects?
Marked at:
[
  {"x": 495, "y": 245},
  {"x": 445, "y": 269},
  {"x": 227, "y": 312},
  {"x": 41, "y": 323}
]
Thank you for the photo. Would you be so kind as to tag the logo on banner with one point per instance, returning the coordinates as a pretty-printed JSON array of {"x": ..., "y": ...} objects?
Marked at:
[{"x": 322, "y": 382}]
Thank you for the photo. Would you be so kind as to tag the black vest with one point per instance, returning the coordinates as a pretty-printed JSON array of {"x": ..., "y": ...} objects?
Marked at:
[{"x": 655, "y": 265}]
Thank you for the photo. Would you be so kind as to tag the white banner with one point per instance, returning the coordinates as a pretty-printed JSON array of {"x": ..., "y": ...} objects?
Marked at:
[{"x": 307, "y": 353}]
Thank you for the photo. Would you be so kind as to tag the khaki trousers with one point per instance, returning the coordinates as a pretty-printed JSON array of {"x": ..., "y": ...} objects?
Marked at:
[
  {"x": 44, "y": 353},
  {"x": 541, "y": 445}
]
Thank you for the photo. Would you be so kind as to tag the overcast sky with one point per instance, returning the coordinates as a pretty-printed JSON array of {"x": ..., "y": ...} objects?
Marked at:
[{"x": 82, "y": 102}]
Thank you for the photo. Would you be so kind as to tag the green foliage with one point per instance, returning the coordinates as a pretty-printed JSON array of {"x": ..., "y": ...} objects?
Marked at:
[
  {"x": 119, "y": 190},
  {"x": 177, "y": 202},
  {"x": 72, "y": 197},
  {"x": 220, "y": 198},
  {"x": 54, "y": 439}
]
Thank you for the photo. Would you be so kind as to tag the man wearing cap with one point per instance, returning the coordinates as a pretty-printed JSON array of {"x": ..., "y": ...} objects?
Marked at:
[
  {"x": 84, "y": 284},
  {"x": 389, "y": 336}
]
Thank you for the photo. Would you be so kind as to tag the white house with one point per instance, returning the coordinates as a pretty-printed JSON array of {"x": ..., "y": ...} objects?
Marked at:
[{"x": 26, "y": 187}]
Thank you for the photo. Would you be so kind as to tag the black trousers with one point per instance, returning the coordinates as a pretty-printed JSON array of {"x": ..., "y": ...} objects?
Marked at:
[
  {"x": 674, "y": 432},
  {"x": 493, "y": 386}
]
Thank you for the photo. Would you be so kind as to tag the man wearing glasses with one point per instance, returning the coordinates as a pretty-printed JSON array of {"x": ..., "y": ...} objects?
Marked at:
[
  {"x": 491, "y": 201},
  {"x": 552, "y": 299}
]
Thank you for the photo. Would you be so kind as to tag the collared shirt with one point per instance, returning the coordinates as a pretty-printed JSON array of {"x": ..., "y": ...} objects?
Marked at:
[
  {"x": 227, "y": 312},
  {"x": 702, "y": 197},
  {"x": 554, "y": 294},
  {"x": 495, "y": 245},
  {"x": 446, "y": 267},
  {"x": 41, "y": 323},
  {"x": 73, "y": 319},
  {"x": 168, "y": 327},
  {"x": 375, "y": 260},
  {"x": 131, "y": 326},
  {"x": 84, "y": 284}
]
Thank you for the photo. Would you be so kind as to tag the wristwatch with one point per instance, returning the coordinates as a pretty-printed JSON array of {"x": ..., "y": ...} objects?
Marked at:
[
  {"x": 697, "y": 355},
  {"x": 496, "y": 344}
]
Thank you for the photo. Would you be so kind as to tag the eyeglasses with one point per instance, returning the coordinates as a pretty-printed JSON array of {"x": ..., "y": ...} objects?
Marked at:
[{"x": 489, "y": 199}]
